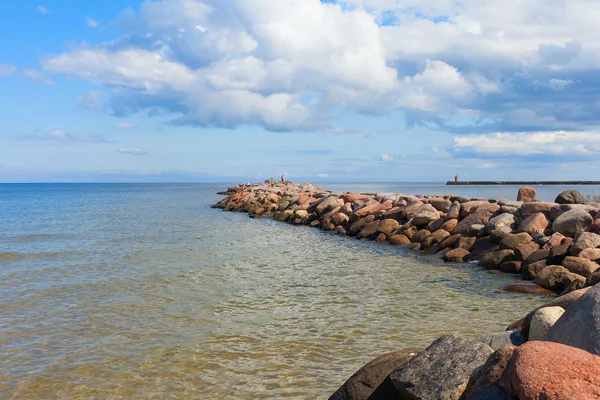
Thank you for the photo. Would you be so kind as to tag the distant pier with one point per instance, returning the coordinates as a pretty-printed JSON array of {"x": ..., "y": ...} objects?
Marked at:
[{"x": 566, "y": 183}]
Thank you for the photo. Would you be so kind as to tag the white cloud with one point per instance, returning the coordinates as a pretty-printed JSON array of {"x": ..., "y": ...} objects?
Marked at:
[
  {"x": 435, "y": 149},
  {"x": 65, "y": 137},
  {"x": 529, "y": 144},
  {"x": 93, "y": 100},
  {"x": 125, "y": 125},
  {"x": 133, "y": 152},
  {"x": 43, "y": 10},
  {"x": 38, "y": 76},
  {"x": 7, "y": 69},
  {"x": 387, "y": 158},
  {"x": 287, "y": 64},
  {"x": 92, "y": 23}
]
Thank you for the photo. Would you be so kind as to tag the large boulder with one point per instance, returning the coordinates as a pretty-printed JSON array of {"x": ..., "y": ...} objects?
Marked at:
[
  {"x": 369, "y": 230},
  {"x": 543, "y": 320},
  {"x": 360, "y": 224},
  {"x": 470, "y": 207},
  {"x": 527, "y": 287},
  {"x": 503, "y": 222},
  {"x": 491, "y": 372},
  {"x": 534, "y": 223},
  {"x": 544, "y": 370},
  {"x": 585, "y": 240},
  {"x": 440, "y": 204},
  {"x": 552, "y": 277},
  {"x": 590, "y": 254},
  {"x": 580, "y": 324},
  {"x": 387, "y": 226},
  {"x": 371, "y": 381},
  {"x": 528, "y": 209},
  {"x": 572, "y": 222},
  {"x": 480, "y": 217},
  {"x": 456, "y": 255},
  {"x": 327, "y": 204},
  {"x": 512, "y": 241},
  {"x": 570, "y": 197},
  {"x": 399, "y": 239},
  {"x": 580, "y": 265},
  {"x": 449, "y": 225},
  {"x": 442, "y": 371},
  {"x": 499, "y": 340},
  {"x": 454, "y": 211},
  {"x": 526, "y": 194},
  {"x": 495, "y": 259},
  {"x": 424, "y": 215}
]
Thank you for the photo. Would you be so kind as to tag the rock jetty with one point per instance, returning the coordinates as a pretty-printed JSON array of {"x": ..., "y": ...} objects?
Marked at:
[
  {"x": 556, "y": 245},
  {"x": 552, "y": 353}
]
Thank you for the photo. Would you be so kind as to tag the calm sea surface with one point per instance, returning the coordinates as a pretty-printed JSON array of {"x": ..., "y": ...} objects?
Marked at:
[{"x": 136, "y": 291}]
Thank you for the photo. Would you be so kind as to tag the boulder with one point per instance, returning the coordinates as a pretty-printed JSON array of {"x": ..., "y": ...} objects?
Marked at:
[
  {"x": 502, "y": 222},
  {"x": 512, "y": 241},
  {"x": 491, "y": 372},
  {"x": 450, "y": 241},
  {"x": 590, "y": 254},
  {"x": 327, "y": 204},
  {"x": 570, "y": 197},
  {"x": 400, "y": 240},
  {"x": 496, "y": 236},
  {"x": 456, "y": 255},
  {"x": 585, "y": 240},
  {"x": 425, "y": 214},
  {"x": 593, "y": 279},
  {"x": 479, "y": 218},
  {"x": 572, "y": 222},
  {"x": 572, "y": 282},
  {"x": 511, "y": 267},
  {"x": 369, "y": 230},
  {"x": 340, "y": 219},
  {"x": 371, "y": 381},
  {"x": 552, "y": 277},
  {"x": 387, "y": 226},
  {"x": 381, "y": 237},
  {"x": 454, "y": 211},
  {"x": 531, "y": 271},
  {"x": 482, "y": 247},
  {"x": 555, "y": 240},
  {"x": 470, "y": 207},
  {"x": 360, "y": 224},
  {"x": 558, "y": 254},
  {"x": 441, "y": 204},
  {"x": 529, "y": 209},
  {"x": 420, "y": 235},
  {"x": 490, "y": 392},
  {"x": 580, "y": 265},
  {"x": 435, "y": 238},
  {"x": 524, "y": 250},
  {"x": 495, "y": 259},
  {"x": 442, "y": 371},
  {"x": 580, "y": 324},
  {"x": 409, "y": 232},
  {"x": 534, "y": 223},
  {"x": 449, "y": 225},
  {"x": 435, "y": 225},
  {"x": 476, "y": 229},
  {"x": 544, "y": 370},
  {"x": 526, "y": 288},
  {"x": 542, "y": 321},
  {"x": 526, "y": 194},
  {"x": 465, "y": 242},
  {"x": 499, "y": 340}
]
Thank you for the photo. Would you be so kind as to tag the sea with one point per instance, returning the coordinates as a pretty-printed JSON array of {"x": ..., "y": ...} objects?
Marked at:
[{"x": 142, "y": 291}]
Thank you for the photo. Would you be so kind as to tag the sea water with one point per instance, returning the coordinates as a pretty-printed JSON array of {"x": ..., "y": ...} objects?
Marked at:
[{"x": 137, "y": 291}]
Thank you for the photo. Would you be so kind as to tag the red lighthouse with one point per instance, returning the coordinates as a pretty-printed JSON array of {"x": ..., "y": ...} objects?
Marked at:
[{"x": 456, "y": 178}]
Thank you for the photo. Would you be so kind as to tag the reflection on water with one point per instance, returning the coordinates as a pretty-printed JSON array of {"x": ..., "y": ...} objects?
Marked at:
[{"x": 142, "y": 291}]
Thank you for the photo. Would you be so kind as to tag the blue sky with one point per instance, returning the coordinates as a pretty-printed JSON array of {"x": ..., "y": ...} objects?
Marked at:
[{"x": 354, "y": 90}]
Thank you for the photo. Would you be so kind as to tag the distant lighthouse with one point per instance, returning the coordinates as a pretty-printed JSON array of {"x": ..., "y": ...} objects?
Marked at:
[{"x": 456, "y": 178}]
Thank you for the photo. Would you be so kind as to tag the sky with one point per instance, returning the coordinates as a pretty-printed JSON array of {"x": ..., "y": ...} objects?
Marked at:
[{"x": 320, "y": 91}]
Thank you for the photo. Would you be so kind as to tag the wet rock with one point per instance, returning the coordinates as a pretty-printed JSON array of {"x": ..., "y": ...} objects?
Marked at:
[
  {"x": 380, "y": 238},
  {"x": 572, "y": 222},
  {"x": 522, "y": 377},
  {"x": 357, "y": 226},
  {"x": 531, "y": 271},
  {"x": 570, "y": 197},
  {"x": 400, "y": 240},
  {"x": 512, "y": 241},
  {"x": 450, "y": 241},
  {"x": 523, "y": 251},
  {"x": 511, "y": 267},
  {"x": 580, "y": 265},
  {"x": 534, "y": 223},
  {"x": 435, "y": 238},
  {"x": 526, "y": 194},
  {"x": 371, "y": 381},
  {"x": 552, "y": 277},
  {"x": 542, "y": 321},
  {"x": 413, "y": 246},
  {"x": 441, "y": 371},
  {"x": 456, "y": 255},
  {"x": 465, "y": 242},
  {"x": 526, "y": 288},
  {"x": 479, "y": 218},
  {"x": 495, "y": 259},
  {"x": 580, "y": 324},
  {"x": 482, "y": 247},
  {"x": 502, "y": 222}
]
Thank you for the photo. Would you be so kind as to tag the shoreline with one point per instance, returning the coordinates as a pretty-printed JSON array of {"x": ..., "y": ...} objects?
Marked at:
[
  {"x": 521, "y": 183},
  {"x": 552, "y": 352}
]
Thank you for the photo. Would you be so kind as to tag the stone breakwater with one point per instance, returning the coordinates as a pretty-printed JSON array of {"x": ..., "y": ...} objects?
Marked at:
[
  {"x": 553, "y": 245},
  {"x": 551, "y": 353}
]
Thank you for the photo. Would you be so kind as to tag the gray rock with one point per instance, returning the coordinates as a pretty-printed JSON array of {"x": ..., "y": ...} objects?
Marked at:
[
  {"x": 371, "y": 381},
  {"x": 327, "y": 204},
  {"x": 442, "y": 371},
  {"x": 490, "y": 392},
  {"x": 475, "y": 229},
  {"x": 495, "y": 259},
  {"x": 543, "y": 320},
  {"x": 552, "y": 277},
  {"x": 585, "y": 240},
  {"x": 502, "y": 222},
  {"x": 480, "y": 217},
  {"x": 572, "y": 222},
  {"x": 579, "y": 326},
  {"x": 498, "y": 340},
  {"x": 570, "y": 197},
  {"x": 454, "y": 211}
]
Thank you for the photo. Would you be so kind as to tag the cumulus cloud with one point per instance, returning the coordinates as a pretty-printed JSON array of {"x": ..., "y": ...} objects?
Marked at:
[
  {"x": 38, "y": 76},
  {"x": 387, "y": 158},
  {"x": 42, "y": 10},
  {"x": 527, "y": 144},
  {"x": 92, "y": 23},
  {"x": 465, "y": 66},
  {"x": 60, "y": 136},
  {"x": 7, "y": 69},
  {"x": 132, "y": 152}
]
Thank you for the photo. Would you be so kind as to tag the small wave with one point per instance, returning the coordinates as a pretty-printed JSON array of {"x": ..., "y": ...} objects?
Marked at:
[{"x": 18, "y": 256}]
